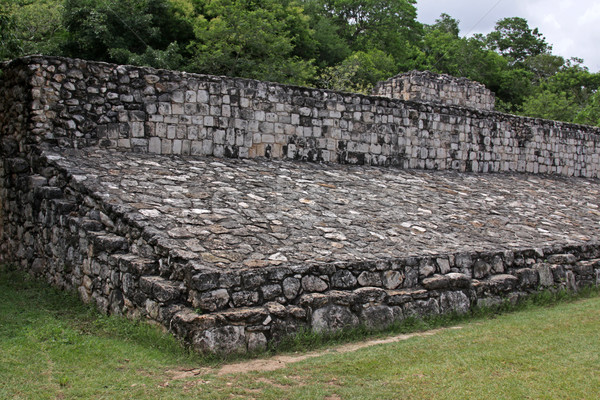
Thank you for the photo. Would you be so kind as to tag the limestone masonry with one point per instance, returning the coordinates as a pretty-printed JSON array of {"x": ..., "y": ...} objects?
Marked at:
[
  {"x": 184, "y": 198},
  {"x": 441, "y": 89}
]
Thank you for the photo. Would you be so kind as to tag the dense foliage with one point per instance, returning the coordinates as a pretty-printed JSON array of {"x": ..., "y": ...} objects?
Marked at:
[{"x": 337, "y": 44}]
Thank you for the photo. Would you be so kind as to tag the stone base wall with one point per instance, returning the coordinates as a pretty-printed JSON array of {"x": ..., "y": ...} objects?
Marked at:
[
  {"x": 14, "y": 117},
  {"x": 60, "y": 231},
  {"x": 80, "y": 103},
  {"x": 55, "y": 226}
]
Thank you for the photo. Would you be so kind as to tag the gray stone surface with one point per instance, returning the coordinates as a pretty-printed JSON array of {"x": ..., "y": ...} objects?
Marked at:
[
  {"x": 343, "y": 279},
  {"x": 546, "y": 278},
  {"x": 456, "y": 302},
  {"x": 226, "y": 340},
  {"x": 333, "y": 318},
  {"x": 237, "y": 213},
  {"x": 230, "y": 253},
  {"x": 425, "y": 86},
  {"x": 377, "y": 317},
  {"x": 78, "y": 103}
]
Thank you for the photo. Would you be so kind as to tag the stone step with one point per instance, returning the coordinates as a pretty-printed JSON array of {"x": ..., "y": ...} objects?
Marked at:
[
  {"x": 586, "y": 267},
  {"x": 447, "y": 281},
  {"x": 377, "y": 308},
  {"x": 562, "y": 259},
  {"x": 63, "y": 206},
  {"x": 16, "y": 165},
  {"x": 162, "y": 290},
  {"x": 47, "y": 192},
  {"x": 90, "y": 225},
  {"x": 250, "y": 328},
  {"x": 134, "y": 264},
  {"x": 108, "y": 242},
  {"x": 365, "y": 296},
  {"x": 237, "y": 330}
]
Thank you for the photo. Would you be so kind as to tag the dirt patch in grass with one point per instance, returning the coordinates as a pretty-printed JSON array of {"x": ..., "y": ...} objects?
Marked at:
[
  {"x": 281, "y": 361},
  {"x": 278, "y": 362}
]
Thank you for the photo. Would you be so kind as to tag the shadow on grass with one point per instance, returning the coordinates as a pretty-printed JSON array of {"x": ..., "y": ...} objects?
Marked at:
[{"x": 30, "y": 306}]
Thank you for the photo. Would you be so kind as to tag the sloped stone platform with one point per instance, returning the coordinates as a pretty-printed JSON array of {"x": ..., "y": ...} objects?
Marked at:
[
  {"x": 231, "y": 214},
  {"x": 231, "y": 254}
]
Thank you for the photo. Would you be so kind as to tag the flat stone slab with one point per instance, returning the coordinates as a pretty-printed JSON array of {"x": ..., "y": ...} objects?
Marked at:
[{"x": 231, "y": 213}]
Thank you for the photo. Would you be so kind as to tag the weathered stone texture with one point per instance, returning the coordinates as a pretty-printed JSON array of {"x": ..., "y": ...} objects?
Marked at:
[
  {"x": 232, "y": 254},
  {"x": 428, "y": 87},
  {"x": 81, "y": 103},
  {"x": 143, "y": 235}
]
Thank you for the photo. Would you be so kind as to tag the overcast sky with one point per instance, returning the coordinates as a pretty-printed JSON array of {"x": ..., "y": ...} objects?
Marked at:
[{"x": 572, "y": 27}]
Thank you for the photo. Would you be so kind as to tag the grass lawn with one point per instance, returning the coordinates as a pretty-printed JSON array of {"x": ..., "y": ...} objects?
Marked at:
[{"x": 52, "y": 347}]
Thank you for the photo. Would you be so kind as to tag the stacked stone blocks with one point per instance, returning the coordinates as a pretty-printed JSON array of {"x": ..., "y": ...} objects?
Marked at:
[
  {"x": 428, "y": 87},
  {"x": 56, "y": 227},
  {"x": 78, "y": 103},
  {"x": 77, "y": 241}
]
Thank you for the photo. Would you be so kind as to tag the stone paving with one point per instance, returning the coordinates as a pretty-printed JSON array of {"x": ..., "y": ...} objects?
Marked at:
[
  {"x": 230, "y": 213},
  {"x": 233, "y": 254}
]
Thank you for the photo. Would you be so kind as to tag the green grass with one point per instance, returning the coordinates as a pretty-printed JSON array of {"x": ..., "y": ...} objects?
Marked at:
[
  {"x": 309, "y": 339},
  {"x": 52, "y": 347}
]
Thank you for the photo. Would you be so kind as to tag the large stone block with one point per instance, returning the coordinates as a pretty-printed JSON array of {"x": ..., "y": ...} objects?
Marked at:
[
  {"x": 343, "y": 279},
  {"x": 223, "y": 340},
  {"x": 421, "y": 308},
  {"x": 454, "y": 302},
  {"x": 545, "y": 274},
  {"x": 333, "y": 318},
  {"x": 313, "y": 284},
  {"x": 528, "y": 277},
  {"x": 377, "y": 317},
  {"x": 502, "y": 283},
  {"x": 562, "y": 259}
]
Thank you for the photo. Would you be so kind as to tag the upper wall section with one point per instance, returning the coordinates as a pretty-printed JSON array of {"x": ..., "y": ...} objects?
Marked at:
[
  {"x": 434, "y": 88},
  {"x": 76, "y": 103}
]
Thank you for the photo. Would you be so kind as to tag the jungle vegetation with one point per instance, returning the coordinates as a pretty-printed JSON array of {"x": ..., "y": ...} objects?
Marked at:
[{"x": 336, "y": 44}]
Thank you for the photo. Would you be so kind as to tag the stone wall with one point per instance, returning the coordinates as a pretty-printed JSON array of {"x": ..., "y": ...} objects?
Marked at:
[
  {"x": 56, "y": 224},
  {"x": 62, "y": 230},
  {"x": 79, "y": 103},
  {"x": 14, "y": 117},
  {"x": 440, "y": 89}
]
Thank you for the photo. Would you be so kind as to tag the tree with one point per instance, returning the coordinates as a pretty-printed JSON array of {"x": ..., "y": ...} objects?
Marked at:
[
  {"x": 387, "y": 25},
  {"x": 544, "y": 65},
  {"x": 30, "y": 27},
  {"x": 569, "y": 95},
  {"x": 590, "y": 114},
  {"x": 513, "y": 38},
  {"x": 575, "y": 80},
  {"x": 124, "y": 31},
  {"x": 38, "y": 25},
  {"x": 446, "y": 24},
  {"x": 441, "y": 47},
  {"x": 331, "y": 48},
  {"x": 9, "y": 45},
  {"x": 443, "y": 51},
  {"x": 550, "y": 105},
  {"x": 359, "y": 72},
  {"x": 263, "y": 40}
]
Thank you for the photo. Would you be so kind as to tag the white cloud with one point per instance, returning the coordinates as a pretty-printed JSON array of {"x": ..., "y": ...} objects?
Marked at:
[{"x": 571, "y": 27}]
